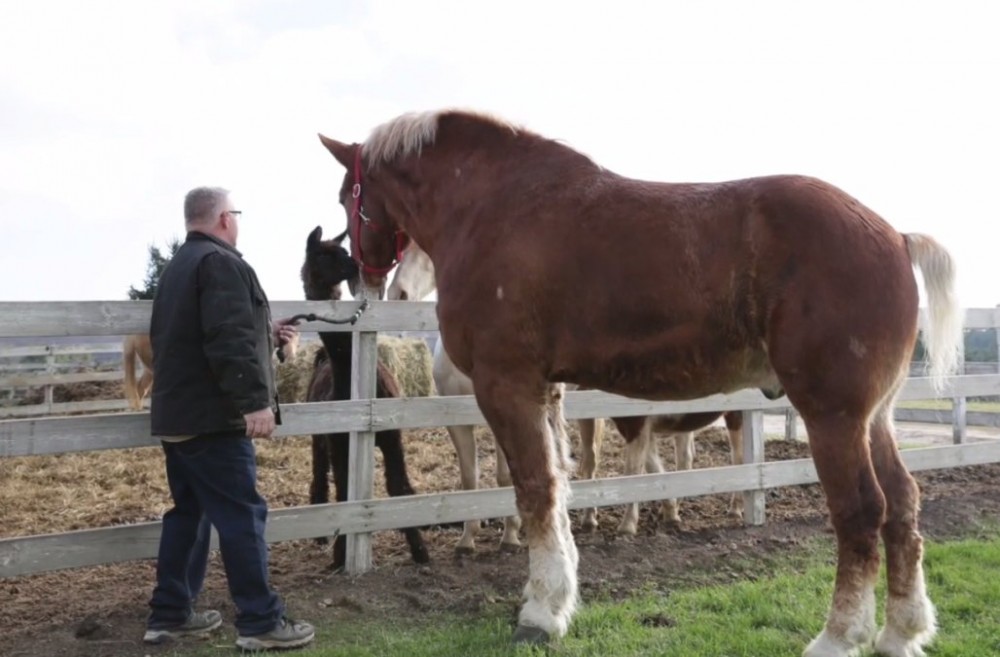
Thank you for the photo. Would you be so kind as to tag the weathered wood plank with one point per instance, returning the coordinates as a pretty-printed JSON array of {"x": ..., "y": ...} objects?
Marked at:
[
  {"x": 90, "y": 318},
  {"x": 60, "y": 350},
  {"x": 978, "y": 318},
  {"x": 32, "y": 554},
  {"x": 54, "y": 435},
  {"x": 32, "y": 379},
  {"x": 94, "y": 406},
  {"x": 93, "y": 318}
]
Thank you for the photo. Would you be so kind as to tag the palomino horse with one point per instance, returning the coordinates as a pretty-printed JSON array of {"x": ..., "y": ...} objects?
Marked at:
[
  {"x": 551, "y": 268},
  {"x": 137, "y": 345},
  {"x": 414, "y": 280}
]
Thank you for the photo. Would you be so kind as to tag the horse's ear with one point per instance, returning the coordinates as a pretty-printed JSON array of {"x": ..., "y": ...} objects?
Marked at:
[
  {"x": 312, "y": 243},
  {"x": 340, "y": 238},
  {"x": 343, "y": 152}
]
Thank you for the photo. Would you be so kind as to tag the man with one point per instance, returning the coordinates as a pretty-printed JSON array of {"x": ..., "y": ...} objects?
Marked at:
[{"x": 213, "y": 392}]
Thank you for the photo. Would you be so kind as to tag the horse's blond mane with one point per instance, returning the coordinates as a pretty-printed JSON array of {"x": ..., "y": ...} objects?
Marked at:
[{"x": 408, "y": 133}]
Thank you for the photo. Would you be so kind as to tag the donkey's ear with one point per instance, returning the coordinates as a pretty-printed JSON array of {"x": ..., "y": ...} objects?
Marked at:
[
  {"x": 340, "y": 238},
  {"x": 343, "y": 152},
  {"x": 312, "y": 243}
]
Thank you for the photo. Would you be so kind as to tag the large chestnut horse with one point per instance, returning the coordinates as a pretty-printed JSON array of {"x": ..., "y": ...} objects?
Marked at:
[{"x": 552, "y": 269}]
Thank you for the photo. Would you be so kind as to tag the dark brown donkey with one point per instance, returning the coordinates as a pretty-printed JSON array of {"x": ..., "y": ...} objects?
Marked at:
[
  {"x": 551, "y": 268},
  {"x": 326, "y": 266}
]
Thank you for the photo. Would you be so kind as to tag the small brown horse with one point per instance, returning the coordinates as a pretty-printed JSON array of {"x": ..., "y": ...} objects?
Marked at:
[
  {"x": 327, "y": 265},
  {"x": 553, "y": 269},
  {"x": 133, "y": 346}
]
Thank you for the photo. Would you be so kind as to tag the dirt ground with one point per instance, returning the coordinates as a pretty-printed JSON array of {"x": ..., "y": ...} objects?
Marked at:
[{"x": 101, "y": 610}]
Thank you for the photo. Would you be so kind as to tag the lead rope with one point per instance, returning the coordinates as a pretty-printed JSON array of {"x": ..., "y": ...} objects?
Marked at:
[{"x": 313, "y": 317}]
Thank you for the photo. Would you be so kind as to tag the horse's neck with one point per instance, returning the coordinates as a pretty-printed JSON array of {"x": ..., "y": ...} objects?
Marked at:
[{"x": 338, "y": 347}]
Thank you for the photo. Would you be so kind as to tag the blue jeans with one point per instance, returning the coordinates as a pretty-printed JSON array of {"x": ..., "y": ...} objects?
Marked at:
[{"x": 213, "y": 481}]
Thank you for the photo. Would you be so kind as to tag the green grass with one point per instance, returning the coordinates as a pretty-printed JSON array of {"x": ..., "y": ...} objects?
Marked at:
[
  {"x": 945, "y": 405},
  {"x": 774, "y": 616}
]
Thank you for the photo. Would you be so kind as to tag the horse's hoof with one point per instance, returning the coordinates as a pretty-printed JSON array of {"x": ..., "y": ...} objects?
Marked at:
[
  {"x": 462, "y": 551},
  {"x": 510, "y": 548},
  {"x": 528, "y": 635},
  {"x": 588, "y": 527}
]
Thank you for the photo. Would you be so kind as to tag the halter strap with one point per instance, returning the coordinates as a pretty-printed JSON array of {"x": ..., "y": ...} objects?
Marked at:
[{"x": 358, "y": 217}]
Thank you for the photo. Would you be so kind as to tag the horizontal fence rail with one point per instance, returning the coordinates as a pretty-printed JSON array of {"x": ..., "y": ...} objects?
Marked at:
[
  {"x": 362, "y": 416},
  {"x": 33, "y": 554},
  {"x": 123, "y": 430}
]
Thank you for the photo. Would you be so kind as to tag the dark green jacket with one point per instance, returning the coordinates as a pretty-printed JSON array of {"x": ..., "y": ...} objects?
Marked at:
[{"x": 212, "y": 341}]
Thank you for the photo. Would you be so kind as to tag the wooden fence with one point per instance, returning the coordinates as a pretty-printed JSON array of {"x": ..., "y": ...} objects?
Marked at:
[
  {"x": 363, "y": 415},
  {"x": 47, "y": 366}
]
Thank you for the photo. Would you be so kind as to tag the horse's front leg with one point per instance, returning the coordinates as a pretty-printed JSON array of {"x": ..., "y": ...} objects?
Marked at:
[{"x": 516, "y": 410}]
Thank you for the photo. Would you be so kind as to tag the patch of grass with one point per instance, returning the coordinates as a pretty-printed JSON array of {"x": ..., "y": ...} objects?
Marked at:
[{"x": 775, "y": 615}]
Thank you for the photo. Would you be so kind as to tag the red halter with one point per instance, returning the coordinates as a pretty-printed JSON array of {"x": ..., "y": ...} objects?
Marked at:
[{"x": 358, "y": 217}]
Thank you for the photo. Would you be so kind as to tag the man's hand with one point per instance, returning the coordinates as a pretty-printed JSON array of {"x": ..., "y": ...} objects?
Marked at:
[
  {"x": 284, "y": 330},
  {"x": 286, "y": 337},
  {"x": 260, "y": 424}
]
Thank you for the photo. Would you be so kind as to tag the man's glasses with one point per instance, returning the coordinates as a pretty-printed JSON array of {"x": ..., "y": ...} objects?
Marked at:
[{"x": 235, "y": 212}]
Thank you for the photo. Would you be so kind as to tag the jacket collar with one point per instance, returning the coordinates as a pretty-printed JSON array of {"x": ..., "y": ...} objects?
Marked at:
[{"x": 198, "y": 235}]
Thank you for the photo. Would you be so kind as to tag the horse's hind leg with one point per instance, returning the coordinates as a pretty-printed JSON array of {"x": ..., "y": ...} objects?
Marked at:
[
  {"x": 638, "y": 444},
  {"x": 839, "y": 444},
  {"x": 684, "y": 458},
  {"x": 145, "y": 384},
  {"x": 518, "y": 416},
  {"x": 468, "y": 467},
  {"x": 591, "y": 440},
  {"x": 338, "y": 451},
  {"x": 511, "y": 524},
  {"x": 910, "y": 621},
  {"x": 397, "y": 484},
  {"x": 734, "y": 426}
]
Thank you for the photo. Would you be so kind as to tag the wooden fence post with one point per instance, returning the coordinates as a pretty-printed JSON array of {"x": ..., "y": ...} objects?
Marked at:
[
  {"x": 791, "y": 424},
  {"x": 958, "y": 406},
  {"x": 364, "y": 358},
  {"x": 50, "y": 361},
  {"x": 753, "y": 452}
]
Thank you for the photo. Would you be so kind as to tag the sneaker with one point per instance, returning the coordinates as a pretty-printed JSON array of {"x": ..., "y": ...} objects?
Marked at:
[
  {"x": 287, "y": 634},
  {"x": 198, "y": 623}
]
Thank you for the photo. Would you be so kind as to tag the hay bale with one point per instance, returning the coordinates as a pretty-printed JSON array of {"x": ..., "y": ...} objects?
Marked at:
[
  {"x": 293, "y": 375},
  {"x": 409, "y": 360}
]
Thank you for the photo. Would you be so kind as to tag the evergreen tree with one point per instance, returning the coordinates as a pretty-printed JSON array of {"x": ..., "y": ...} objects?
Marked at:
[{"x": 154, "y": 268}]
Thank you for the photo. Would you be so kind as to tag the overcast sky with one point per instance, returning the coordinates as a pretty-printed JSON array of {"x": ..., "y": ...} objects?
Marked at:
[{"x": 111, "y": 111}]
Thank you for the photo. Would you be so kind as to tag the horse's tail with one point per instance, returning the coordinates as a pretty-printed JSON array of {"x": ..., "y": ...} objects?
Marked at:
[
  {"x": 943, "y": 328},
  {"x": 131, "y": 389}
]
